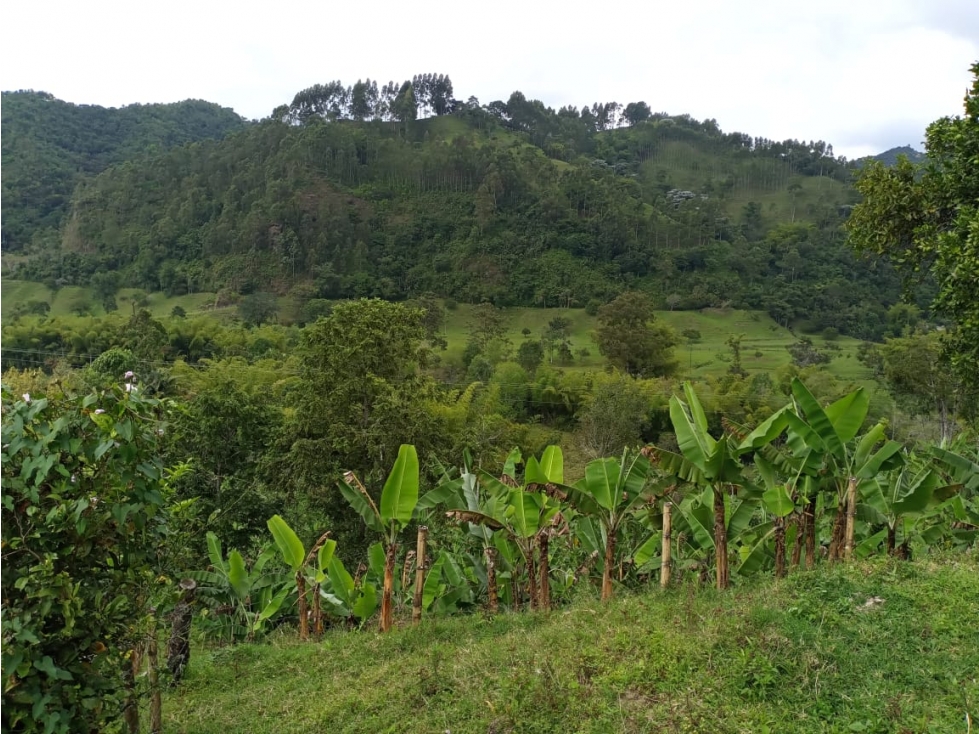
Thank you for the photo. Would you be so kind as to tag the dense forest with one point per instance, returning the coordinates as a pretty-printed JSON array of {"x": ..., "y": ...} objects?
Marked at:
[
  {"x": 400, "y": 190},
  {"x": 50, "y": 145}
]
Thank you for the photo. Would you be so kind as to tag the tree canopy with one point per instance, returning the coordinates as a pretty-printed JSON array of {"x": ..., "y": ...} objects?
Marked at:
[{"x": 926, "y": 220}]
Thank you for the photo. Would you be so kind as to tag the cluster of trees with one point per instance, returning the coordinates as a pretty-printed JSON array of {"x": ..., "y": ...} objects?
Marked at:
[{"x": 423, "y": 94}]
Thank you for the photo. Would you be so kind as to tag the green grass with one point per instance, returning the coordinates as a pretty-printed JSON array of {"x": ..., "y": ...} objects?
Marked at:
[
  {"x": 64, "y": 300},
  {"x": 14, "y": 292},
  {"x": 763, "y": 345},
  {"x": 800, "y": 655}
]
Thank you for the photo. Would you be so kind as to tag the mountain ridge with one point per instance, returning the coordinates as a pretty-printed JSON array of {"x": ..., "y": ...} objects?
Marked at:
[{"x": 511, "y": 202}]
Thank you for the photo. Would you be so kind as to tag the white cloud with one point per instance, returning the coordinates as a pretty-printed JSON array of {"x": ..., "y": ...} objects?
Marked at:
[{"x": 854, "y": 74}]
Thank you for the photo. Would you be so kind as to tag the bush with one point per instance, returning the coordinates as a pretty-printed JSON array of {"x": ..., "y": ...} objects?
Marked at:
[
  {"x": 591, "y": 308},
  {"x": 83, "y": 522},
  {"x": 451, "y": 304}
]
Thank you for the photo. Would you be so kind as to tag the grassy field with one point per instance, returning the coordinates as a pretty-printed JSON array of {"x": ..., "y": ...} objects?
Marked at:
[
  {"x": 67, "y": 299},
  {"x": 801, "y": 655},
  {"x": 763, "y": 345}
]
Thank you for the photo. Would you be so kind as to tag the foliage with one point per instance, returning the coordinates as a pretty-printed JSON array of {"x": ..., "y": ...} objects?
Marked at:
[
  {"x": 48, "y": 145},
  {"x": 84, "y": 522},
  {"x": 631, "y": 341},
  {"x": 927, "y": 220},
  {"x": 361, "y": 395},
  {"x": 510, "y": 202}
]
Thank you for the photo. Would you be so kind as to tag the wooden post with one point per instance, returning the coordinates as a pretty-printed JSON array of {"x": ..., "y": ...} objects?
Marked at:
[
  {"x": 130, "y": 711},
  {"x": 416, "y": 606},
  {"x": 153, "y": 676},
  {"x": 494, "y": 602},
  {"x": 664, "y": 569},
  {"x": 720, "y": 539},
  {"x": 851, "y": 517},
  {"x": 178, "y": 648},
  {"x": 544, "y": 542}
]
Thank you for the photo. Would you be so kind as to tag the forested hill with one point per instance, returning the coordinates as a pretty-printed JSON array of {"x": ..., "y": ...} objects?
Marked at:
[
  {"x": 889, "y": 157},
  {"x": 48, "y": 145},
  {"x": 401, "y": 190}
]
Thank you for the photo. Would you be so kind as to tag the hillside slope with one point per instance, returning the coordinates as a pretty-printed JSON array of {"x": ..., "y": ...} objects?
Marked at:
[
  {"x": 508, "y": 202},
  {"x": 813, "y": 653},
  {"x": 49, "y": 145}
]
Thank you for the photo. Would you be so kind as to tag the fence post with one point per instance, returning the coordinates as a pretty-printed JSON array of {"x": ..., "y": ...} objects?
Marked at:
[
  {"x": 416, "y": 607},
  {"x": 664, "y": 569},
  {"x": 851, "y": 516}
]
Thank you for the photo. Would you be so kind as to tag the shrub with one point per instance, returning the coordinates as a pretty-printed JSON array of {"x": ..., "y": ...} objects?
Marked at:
[{"x": 83, "y": 522}]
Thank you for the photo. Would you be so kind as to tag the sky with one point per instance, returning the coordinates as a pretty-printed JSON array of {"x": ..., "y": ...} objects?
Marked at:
[{"x": 863, "y": 75}]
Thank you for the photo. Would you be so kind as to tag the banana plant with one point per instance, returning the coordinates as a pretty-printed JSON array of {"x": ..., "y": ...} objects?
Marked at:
[
  {"x": 344, "y": 597},
  {"x": 824, "y": 443},
  {"x": 294, "y": 555},
  {"x": 525, "y": 514},
  {"x": 464, "y": 492},
  {"x": 252, "y": 596},
  {"x": 610, "y": 490},
  {"x": 447, "y": 587},
  {"x": 956, "y": 466},
  {"x": 398, "y": 501},
  {"x": 900, "y": 498},
  {"x": 712, "y": 463}
]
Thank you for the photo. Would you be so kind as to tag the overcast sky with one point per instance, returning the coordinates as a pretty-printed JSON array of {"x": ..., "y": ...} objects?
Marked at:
[{"x": 864, "y": 76}]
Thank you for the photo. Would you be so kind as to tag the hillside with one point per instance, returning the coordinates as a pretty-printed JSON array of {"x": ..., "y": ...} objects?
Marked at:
[
  {"x": 813, "y": 653},
  {"x": 49, "y": 145},
  {"x": 509, "y": 202},
  {"x": 889, "y": 157}
]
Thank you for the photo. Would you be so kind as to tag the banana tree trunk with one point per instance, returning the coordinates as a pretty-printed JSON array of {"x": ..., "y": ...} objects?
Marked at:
[
  {"x": 891, "y": 539},
  {"x": 545, "y": 582},
  {"x": 532, "y": 578},
  {"x": 811, "y": 533},
  {"x": 664, "y": 569},
  {"x": 839, "y": 531},
  {"x": 799, "y": 521},
  {"x": 607, "y": 569},
  {"x": 317, "y": 612},
  {"x": 303, "y": 606},
  {"x": 779, "y": 547},
  {"x": 491, "y": 592},
  {"x": 387, "y": 594},
  {"x": 720, "y": 540}
]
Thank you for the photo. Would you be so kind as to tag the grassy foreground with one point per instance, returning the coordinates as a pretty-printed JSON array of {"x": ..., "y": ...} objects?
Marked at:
[{"x": 813, "y": 653}]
